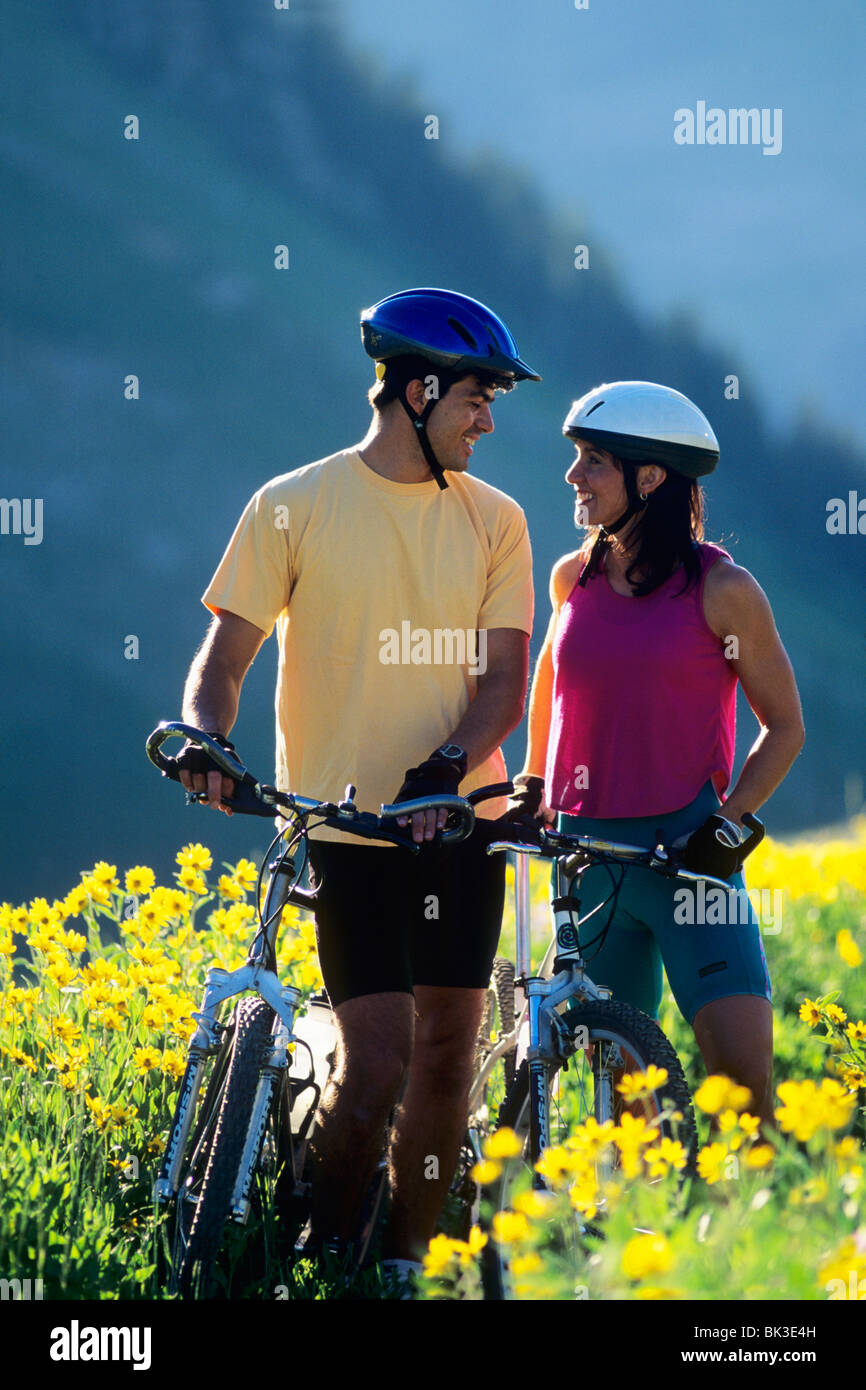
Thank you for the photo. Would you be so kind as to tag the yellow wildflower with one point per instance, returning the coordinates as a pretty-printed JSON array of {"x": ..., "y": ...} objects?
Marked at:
[
  {"x": 122, "y": 1114},
  {"x": 16, "y": 1055},
  {"x": 40, "y": 912},
  {"x": 139, "y": 880},
  {"x": 719, "y": 1093},
  {"x": 510, "y": 1227},
  {"x": 174, "y": 1063},
  {"x": 146, "y": 1058},
  {"x": 710, "y": 1160},
  {"x": 227, "y": 888},
  {"x": 669, "y": 1153},
  {"x": 246, "y": 874},
  {"x": 849, "y": 1257},
  {"x": 99, "y": 1111},
  {"x": 591, "y": 1138},
  {"x": 153, "y": 1016},
  {"x": 856, "y": 1031},
  {"x": 533, "y": 1203},
  {"x": 192, "y": 880},
  {"x": 807, "y": 1107},
  {"x": 63, "y": 1028},
  {"x": 760, "y": 1156},
  {"x": 468, "y": 1249},
  {"x": 194, "y": 857},
  {"x": 106, "y": 873},
  {"x": 848, "y": 948},
  {"x": 646, "y": 1254},
  {"x": 810, "y": 1013},
  {"x": 640, "y": 1083},
  {"x": 61, "y": 973},
  {"x": 557, "y": 1164},
  {"x": 584, "y": 1193},
  {"x": 503, "y": 1144},
  {"x": 486, "y": 1172},
  {"x": 75, "y": 901},
  {"x": 74, "y": 942},
  {"x": 833, "y": 1011},
  {"x": 440, "y": 1252},
  {"x": 97, "y": 891},
  {"x": 530, "y": 1263}
]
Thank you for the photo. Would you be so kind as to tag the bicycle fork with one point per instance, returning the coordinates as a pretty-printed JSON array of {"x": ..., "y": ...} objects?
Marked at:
[{"x": 550, "y": 1041}]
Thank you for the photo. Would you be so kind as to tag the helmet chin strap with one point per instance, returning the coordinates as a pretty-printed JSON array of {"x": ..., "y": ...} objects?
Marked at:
[{"x": 419, "y": 424}]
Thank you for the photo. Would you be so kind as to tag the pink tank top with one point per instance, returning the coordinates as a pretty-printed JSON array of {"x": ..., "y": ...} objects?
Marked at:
[{"x": 644, "y": 700}]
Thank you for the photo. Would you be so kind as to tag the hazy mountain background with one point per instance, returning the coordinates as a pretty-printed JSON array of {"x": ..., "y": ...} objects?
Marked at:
[{"x": 155, "y": 257}]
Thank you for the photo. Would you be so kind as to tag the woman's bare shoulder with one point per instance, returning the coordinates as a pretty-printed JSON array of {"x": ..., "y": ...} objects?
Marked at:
[{"x": 563, "y": 577}]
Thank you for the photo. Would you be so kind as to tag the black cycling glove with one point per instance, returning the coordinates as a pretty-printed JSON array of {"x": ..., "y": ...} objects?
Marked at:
[
  {"x": 526, "y": 798},
  {"x": 435, "y": 777},
  {"x": 193, "y": 759},
  {"x": 715, "y": 848}
]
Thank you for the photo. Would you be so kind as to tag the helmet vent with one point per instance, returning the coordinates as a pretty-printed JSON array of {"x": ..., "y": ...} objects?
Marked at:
[
  {"x": 463, "y": 331},
  {"x": 592, "y": 408}
]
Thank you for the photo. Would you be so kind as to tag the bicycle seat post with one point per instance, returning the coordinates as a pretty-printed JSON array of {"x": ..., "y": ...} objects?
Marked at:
[{"x": 522, "y": 946}]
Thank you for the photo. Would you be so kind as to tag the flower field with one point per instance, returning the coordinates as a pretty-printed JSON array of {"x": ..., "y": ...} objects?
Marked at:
[{"x": 98, "y": 993}]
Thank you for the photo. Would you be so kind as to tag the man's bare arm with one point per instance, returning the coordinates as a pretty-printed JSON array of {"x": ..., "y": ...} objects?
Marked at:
[
  {"x": 499, "y": 699},
  {"x": 213, "y": 688}
]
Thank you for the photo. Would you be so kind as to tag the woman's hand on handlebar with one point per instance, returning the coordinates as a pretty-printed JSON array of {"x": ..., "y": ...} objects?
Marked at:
[{"x": 528, "y": 804}]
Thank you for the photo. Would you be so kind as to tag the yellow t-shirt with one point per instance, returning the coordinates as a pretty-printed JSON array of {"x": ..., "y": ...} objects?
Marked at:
[{"x": 360, "y": 574}]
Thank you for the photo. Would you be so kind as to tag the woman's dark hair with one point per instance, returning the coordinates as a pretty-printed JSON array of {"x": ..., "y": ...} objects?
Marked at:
[{"x": 670, "y": 526}]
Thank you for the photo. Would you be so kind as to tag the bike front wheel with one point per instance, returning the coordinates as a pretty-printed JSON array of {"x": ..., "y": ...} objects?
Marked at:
[
  {"x": 613, "y": 1040},
  {"x": 212, "y": 1197}
]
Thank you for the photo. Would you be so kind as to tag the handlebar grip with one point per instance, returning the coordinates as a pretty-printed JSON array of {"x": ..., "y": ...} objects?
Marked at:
[
  {"x": 455, "y": 805},
  {"x": 496, "y": 789},
  {"x": 230, "y": 766},
  {"x": 246, "y": 799},
  {"x": 755, "y": 835}
]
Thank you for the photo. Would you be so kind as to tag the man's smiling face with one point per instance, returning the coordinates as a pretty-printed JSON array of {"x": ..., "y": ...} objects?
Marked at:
[{"x": 459, "y": 419}]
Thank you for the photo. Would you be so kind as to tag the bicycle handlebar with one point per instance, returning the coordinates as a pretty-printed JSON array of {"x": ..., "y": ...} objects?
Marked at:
[
  {"x": 256, "y": 798},
  {"x": 556, "y": 844}
]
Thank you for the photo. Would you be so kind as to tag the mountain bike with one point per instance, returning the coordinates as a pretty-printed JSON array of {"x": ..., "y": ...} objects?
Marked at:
[
  {"x": 564, "y": 1022},
  {"x": 239, "y": 1137}
]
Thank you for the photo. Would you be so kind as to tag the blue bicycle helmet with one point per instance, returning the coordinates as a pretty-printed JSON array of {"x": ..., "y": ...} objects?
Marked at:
[{"x": 450, "y": 330}]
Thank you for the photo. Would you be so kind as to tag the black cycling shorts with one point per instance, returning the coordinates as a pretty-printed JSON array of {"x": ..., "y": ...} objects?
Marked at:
[{"x": 387, "y": 919}]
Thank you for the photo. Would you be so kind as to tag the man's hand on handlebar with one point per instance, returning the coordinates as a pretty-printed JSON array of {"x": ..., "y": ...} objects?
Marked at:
[
  {"x": 437, "y": 776},
  {"x": 197, "y": 772}
]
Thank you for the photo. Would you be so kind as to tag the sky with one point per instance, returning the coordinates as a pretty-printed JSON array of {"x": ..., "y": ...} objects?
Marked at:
[{"x": 764, "y": 251}]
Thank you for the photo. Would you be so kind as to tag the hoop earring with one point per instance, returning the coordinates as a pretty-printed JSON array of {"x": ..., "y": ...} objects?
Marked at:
[{"x": 643, "y": 496}]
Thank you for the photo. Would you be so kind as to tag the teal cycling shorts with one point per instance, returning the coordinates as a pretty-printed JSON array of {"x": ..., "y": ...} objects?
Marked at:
[{"x": 656, "y": 925}]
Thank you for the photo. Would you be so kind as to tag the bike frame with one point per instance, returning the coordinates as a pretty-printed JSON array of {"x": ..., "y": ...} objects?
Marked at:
[{"x": 562, "y": 977}]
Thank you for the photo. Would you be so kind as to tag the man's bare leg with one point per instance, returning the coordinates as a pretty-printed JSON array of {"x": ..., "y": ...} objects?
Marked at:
[
  {"x": 431, "y": 1121},
  {"x": 373, "y": 1054}
]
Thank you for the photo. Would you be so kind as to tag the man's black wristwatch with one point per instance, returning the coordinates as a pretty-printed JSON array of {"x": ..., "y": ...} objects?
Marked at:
[
  {"x": 454, "y": 755},
  {"x": 440, "y": 774}
]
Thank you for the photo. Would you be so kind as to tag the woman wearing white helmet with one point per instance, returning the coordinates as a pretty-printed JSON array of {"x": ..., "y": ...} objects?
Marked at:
[{"x": 632, "y": 717}]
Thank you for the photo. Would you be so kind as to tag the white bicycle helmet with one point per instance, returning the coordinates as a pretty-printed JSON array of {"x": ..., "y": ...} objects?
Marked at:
[{"x": 640, "y": 420}]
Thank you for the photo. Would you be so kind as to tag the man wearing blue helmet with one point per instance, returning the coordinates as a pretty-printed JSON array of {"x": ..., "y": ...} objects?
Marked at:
[{"x": 359, "y": 560}]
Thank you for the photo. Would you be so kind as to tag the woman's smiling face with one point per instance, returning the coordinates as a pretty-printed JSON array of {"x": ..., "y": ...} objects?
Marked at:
[{"x": 599, "y": 486}]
